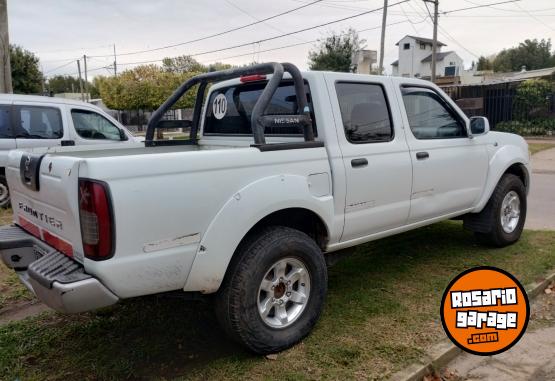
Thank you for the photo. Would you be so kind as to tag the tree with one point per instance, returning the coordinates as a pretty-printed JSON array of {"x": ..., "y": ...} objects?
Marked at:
[
  {"x": 68, "y": 84},
  {"x": 532, "y": 99},
  {"x": 335, "y": 51},
  {"x": 182, "y": 64},
  {"x": 533, "y": 54},
  {"x": 484, "y": 64},
  {"x": 26, "y": 75}
]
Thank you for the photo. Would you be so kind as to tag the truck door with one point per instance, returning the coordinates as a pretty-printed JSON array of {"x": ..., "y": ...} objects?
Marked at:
[
  {"x": 7, "y": 140},
  {"x": 37, "y": 125},
  {"x": 375, "y": 156},
  {"x": 449, "y": 169}
]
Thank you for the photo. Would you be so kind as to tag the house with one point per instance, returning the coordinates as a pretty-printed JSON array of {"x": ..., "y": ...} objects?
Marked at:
[{"x": 415, "y": 59}]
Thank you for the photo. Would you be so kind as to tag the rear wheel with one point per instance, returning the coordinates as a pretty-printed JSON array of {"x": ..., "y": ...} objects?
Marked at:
[
  {"x": 274, "y": 290},
  {"x": 506, "y": 210},
  {"x": 4, "y": 193}
]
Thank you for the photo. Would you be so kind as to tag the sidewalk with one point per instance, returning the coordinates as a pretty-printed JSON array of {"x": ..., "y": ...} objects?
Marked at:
[
  {"x": 541, "y": 201},
  {"x": 532, "y": 358}
]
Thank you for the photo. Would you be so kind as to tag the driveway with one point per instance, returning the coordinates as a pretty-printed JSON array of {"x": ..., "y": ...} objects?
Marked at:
[{"x": 541, "y": 201}]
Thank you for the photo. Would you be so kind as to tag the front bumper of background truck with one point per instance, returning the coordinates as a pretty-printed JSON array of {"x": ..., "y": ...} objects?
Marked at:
[{"x": 56, "y": 279}]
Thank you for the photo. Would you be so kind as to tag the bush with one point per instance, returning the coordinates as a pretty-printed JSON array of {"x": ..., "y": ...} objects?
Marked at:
[
  {"x": 532, "y": 99},
  {"x": 538, "y": 127}
]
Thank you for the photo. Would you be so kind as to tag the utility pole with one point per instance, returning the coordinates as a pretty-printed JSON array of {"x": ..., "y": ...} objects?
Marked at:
[
  {"x": 5, "y": 68},
  {"x": 434, "y": 44},
  {"x": 382, "y": 41},
  {"x": 86, "y": 79},
  {"x": 80, "y": 81},
  {"x": 115, "y": 62}
]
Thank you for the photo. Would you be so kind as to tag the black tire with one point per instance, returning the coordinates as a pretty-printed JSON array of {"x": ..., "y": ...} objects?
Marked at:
[
  {"x": 237, "y": 300},
  {"x": 4, "y": 193},
  {"x": 497, "y": 236}
]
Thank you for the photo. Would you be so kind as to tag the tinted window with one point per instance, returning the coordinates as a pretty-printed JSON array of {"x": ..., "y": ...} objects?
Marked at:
[
  {"x": 364, "y": 112},
  {"x": 229, "y": 109},
  {"x": 429, "y": 117},
  {"x": 39, "y": 122},
  {"x": 90, "y": 125},
  {"x": 5, "y": 128}
]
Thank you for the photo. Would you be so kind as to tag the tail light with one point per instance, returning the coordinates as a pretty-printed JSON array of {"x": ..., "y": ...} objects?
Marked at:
[{"x": 96, "y": 217}]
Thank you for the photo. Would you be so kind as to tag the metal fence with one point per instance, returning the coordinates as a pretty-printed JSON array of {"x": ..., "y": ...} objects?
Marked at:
[{"x": 522, "y": 107}]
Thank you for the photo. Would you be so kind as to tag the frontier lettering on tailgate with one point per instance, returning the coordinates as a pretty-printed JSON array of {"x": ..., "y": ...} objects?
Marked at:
[{"x": 29, "y": 211}]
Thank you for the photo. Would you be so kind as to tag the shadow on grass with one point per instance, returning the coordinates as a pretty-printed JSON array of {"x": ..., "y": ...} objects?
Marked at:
[{"x": 392, "y": 285}]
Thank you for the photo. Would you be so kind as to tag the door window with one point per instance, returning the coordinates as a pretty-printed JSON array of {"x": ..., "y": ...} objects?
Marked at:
[
  {"x": 90, "y": 125},
  {"x": 36, "y": 122},
  {"x": 5, "y": 122},
  {"x": 364, "y": 112},
  {"x": 430, "y": 117}
]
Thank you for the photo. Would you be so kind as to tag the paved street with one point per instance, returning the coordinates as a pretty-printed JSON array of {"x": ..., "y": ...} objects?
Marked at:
[{"x": 541, "y": 202}]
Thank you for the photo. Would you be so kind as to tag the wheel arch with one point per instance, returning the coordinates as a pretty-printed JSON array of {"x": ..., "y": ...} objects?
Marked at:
[{"x": 259, "y": 205}]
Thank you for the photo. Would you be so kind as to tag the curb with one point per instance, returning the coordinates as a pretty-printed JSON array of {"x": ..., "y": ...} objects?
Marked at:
[{"x": 441, "y": 354}]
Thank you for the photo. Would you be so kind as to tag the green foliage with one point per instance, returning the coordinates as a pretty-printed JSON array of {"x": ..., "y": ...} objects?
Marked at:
[
  {"x": 68, "y": 84},
  {"x": 538, "y": 127},
  {"x": 182, "y": 64},
  {"x": 335, "y": 51},
  {"x": 144, "y": 87},
  {"x": 484, "y": 64},
  {"x": 26, "y": 75},
  {"x": 532, "y": 99},
  {"x": 533, "y": 54}
]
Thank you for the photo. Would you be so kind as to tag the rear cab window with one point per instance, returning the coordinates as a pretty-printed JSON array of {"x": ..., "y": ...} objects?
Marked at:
[{"x": 229, "y": 109}]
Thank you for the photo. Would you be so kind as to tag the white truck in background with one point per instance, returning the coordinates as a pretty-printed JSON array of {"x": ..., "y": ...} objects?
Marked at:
[
  {"x": 279, "y": 171},
  {"x": 30, "y": 121}
]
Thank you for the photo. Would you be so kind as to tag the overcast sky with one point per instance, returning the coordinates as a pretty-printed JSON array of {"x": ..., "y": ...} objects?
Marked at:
[{"x": 59, "y": 31}]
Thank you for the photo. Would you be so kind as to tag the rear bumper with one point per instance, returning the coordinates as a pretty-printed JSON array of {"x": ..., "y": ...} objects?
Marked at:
[{"x": 57, "y": 280}]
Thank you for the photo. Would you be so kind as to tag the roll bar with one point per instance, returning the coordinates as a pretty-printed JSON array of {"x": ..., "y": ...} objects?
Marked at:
[{"x": 259, "y": 121}]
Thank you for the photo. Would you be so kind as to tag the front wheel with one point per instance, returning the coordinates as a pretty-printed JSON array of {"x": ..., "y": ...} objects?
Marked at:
[
  {"x": 506, "y": 210},
  {"x": 274, "y": 290}
]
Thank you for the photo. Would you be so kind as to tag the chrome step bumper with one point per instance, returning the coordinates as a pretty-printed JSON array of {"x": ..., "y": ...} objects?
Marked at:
[{"x": 56, "y": 279}]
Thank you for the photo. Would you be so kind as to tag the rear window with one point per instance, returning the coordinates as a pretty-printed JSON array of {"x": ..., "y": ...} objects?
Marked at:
[
  {"x": 38, "y": 122},
  {"x": 229, "y": 109},
  {"x": 5, "y": 128}
]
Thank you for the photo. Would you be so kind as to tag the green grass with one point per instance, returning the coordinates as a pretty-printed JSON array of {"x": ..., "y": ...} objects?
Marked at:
[
  {"x": 537, "y": 147},
  {"x": 381, "y": 314}
]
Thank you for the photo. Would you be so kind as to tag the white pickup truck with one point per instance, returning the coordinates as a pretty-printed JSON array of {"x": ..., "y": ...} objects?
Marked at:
[
  {"x": 280, "y": 170},
  {"x": 29, "y": 121}
]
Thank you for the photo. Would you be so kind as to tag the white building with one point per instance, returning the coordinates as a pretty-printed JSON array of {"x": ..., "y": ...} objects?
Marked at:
[{"x": 415, "y": 59}]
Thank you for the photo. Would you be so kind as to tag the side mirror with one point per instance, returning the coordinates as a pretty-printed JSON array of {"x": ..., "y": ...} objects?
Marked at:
[
  {"x": 122, "y": 135},
  {"x": 479, "y": 125}
]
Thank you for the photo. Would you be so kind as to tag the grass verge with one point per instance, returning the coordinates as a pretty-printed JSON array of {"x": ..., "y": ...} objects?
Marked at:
[
  {"x": 381, "y": 314},
  {"x": 537, "y": 147}
]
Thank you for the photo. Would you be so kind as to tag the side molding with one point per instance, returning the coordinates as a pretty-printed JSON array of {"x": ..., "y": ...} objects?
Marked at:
[{"x": 239, "y": 214}]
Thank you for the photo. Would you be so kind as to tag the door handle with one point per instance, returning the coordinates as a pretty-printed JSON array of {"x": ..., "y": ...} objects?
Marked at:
[
  {"x": 422, "y": 155},
  {"x": 359, "y": 162},
  {"x": 66, "y": 143}
]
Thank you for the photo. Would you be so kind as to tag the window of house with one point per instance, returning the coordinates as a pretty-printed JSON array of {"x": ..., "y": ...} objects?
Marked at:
[
  {"x": 238, "y": 102},
  {"x": 406, "y": 46},
  {"x": 364, "y": 112},
  {"x": 36, "y": 122},
  {"x": 429, "y": 116},
  {"x": 423, "y": 46},
  {"x": 90, "y": 125}
]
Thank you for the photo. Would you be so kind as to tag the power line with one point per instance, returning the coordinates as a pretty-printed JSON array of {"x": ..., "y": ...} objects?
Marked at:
[
  {"x": 479, "y": 6},
  {"x": 536, "y": 18},
  {"x": 215, "y": 34},
  {"x": 59, "y": 67}
]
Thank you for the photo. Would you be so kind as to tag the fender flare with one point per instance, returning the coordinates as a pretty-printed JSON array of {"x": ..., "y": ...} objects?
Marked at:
[
  {"x": 499, "y": 163},
  {"x": 239, "y": 214}
]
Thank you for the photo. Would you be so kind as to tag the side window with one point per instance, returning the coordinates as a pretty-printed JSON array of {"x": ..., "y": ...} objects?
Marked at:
[
  {"x": 5, "y": 122},
  {"x": 429, "y": 117},
  {"x": 364, "y": 112},
  {"x": 90, "y": 125},
  {"x": 37, "y": 122}
]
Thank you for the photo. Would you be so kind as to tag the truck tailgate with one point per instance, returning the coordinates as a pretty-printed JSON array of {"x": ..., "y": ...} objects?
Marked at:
[{"x": 44, "y": 196}]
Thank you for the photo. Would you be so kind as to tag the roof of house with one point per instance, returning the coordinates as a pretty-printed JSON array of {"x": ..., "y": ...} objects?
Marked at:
[
  {"x": 422, "y": 39},
  {"x": 439, "y": 56},
  {"x": 395, "y": 63}
]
